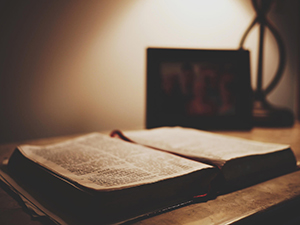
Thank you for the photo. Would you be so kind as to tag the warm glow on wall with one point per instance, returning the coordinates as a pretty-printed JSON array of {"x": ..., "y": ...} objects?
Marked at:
[
  {"x": 88, "y": 72},
  {"x": 118, "y": 54}
]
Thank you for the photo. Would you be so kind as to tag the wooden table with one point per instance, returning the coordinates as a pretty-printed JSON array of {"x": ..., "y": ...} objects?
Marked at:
[{"x": 275, "y": 201}]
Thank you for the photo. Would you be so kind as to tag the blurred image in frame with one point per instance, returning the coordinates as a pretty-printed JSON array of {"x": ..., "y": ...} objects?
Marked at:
[{"x": 198, "y": 88}]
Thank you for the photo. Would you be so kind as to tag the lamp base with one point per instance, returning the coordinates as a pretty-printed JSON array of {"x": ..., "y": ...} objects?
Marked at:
[{"x": 267, "y": 115}]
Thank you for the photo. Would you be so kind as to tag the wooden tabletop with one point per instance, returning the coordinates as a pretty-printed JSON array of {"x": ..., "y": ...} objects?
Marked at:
[{"x": 276, "y": 200}]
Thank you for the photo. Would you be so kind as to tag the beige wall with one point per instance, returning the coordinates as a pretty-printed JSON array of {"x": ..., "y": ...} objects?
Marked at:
[{"x": 80, "y": 66}]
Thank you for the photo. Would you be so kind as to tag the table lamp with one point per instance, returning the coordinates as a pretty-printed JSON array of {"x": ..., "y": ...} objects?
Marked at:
[{"x": 264, "y": 113}]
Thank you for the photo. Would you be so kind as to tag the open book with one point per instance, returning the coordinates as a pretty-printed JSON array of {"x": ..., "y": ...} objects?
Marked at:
[{"x": 96, "y": 179}]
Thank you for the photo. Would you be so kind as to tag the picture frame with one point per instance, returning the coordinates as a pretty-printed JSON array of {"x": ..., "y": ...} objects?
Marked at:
[{"x": 198, "y": 88}]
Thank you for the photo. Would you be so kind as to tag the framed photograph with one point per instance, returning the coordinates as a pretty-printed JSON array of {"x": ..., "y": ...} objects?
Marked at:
[{"x": 204, "y": 89}]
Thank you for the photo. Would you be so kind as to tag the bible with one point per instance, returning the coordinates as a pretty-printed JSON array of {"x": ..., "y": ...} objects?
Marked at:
[{"x": 97, "y": 179}]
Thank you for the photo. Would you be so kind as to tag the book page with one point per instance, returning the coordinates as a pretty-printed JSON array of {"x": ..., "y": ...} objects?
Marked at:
[
  {"x": 104, "y": 163},
  {"x": 201, "y": 144}
]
